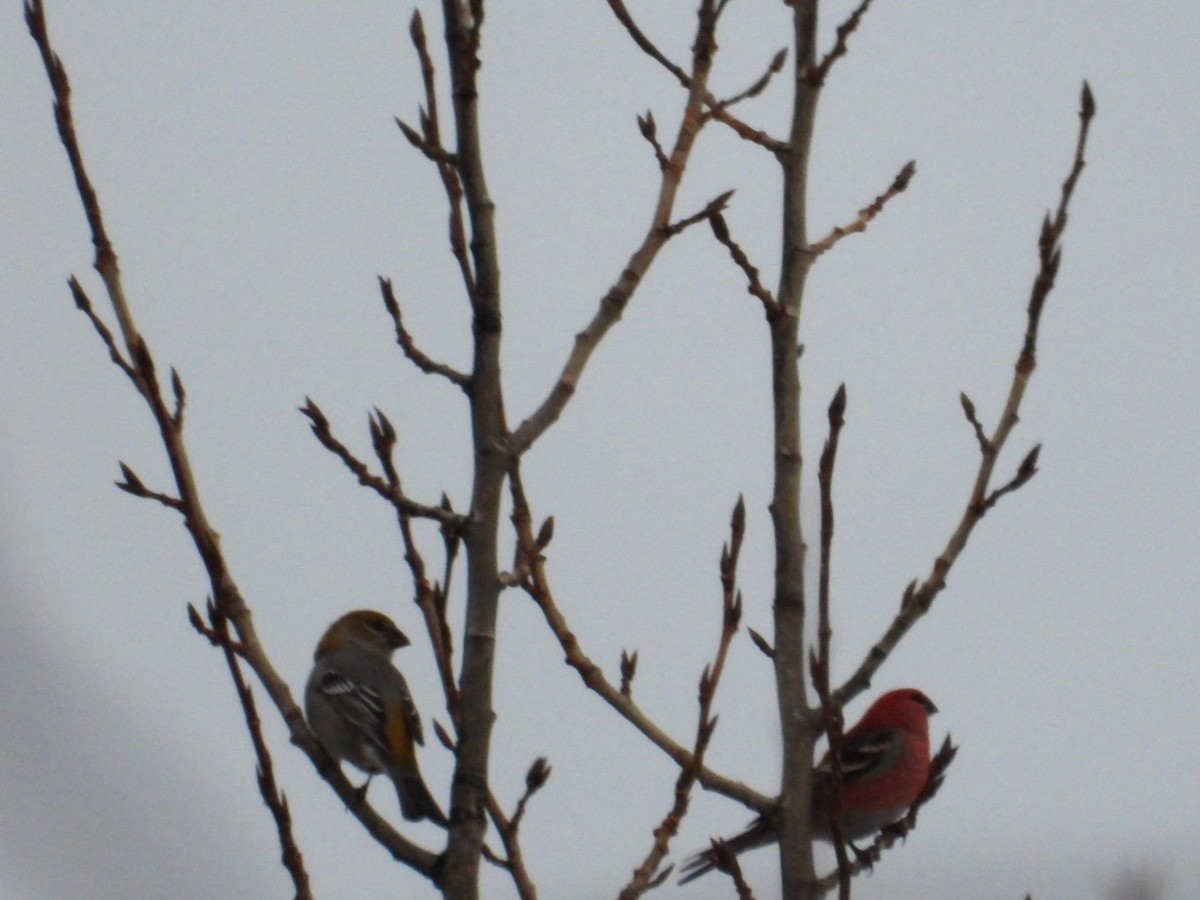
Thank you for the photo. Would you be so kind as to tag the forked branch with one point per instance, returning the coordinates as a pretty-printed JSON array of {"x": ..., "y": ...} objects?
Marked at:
[
  {"x": 716, "y": 109},
  {"x": 380, "y": 485}
]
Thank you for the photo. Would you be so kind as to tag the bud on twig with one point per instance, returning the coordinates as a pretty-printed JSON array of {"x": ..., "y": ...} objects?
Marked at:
[{"x": 537, "y": 776}]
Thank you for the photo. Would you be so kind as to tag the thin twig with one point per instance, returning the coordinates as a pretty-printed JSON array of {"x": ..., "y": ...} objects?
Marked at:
[
  {"x": 510, "y": 827},
  {"x": 1025, "y": 471},
  {"x": 321, "y": 429},
  {"x": 755, "y": 287},
  {"x": 132, "y": 484},
  {"x": 919, "y": 598},
  {"x": 439, "y": 155},
  {"x": 773, "y": 69},
  {"x": 969, "y": 411},
  {"x": 831, "y": 713},
  {"x": 761, "y": 643},
  {"x": 180, "y": 398},
  {"x": 712, "y": 208},
  {"x": 273, "y": 797},
  {"x": 447, "y": 163},
  {"x": 535, "y": 780},
  {"x": 405, "y": 340},
  {"x": 426, "y": 595},
  {"x": 628, "y": 671},
  {"x": 649, "y": 130},
  {"x": 84, "y": 303},
  {"x": 840, "y": 46},
  {"x": 867, "y": 213}
]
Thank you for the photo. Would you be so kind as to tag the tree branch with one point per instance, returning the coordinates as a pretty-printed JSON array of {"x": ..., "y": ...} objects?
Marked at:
[
  {"x": 392, "y": 494},
  {"x": 429, "y": 598},
  {"x": 867, "y": 213},
  {"x": 489, "y": 432},
  {"x": 537, "y": 586},
  {"x": 773, "y": 69},
  {"x": 754, "y": 286},
  {"x": 831, "y": 713},
  {"x": 273, "y": 797},
  {"x": 613, "y": 304},
  {"x": 509, "y": 828},
  {"x": 798, "y": 724},
  {"x": 840, "y": 46},
  {"x": 644, "y": 876},
  {"x": 448, "y": 164},
  {"x": 716, "y": 108},
  {"x": 229, "y": 607},
  {"x": 408, "y": 345},
  {"x": 918, "y": 599}
]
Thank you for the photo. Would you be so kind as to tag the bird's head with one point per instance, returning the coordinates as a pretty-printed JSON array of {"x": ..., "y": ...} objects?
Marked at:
[
  {"x": 367, "y": 627},
  {"x": 906, "y": 708}
]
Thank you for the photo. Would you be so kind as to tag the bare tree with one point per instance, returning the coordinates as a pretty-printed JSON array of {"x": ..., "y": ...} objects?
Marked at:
[{"x": 454, "y": 145}]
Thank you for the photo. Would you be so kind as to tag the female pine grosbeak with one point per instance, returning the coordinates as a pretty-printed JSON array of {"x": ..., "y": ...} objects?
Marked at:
[
  {"x": 885, "y": 766},
  {"x": 359, "y": 707}
]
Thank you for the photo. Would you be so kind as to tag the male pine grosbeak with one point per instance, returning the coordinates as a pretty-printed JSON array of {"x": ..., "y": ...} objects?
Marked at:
[
  {"x": 885, "y": 766},
  {"x": 359, "y": 707}
]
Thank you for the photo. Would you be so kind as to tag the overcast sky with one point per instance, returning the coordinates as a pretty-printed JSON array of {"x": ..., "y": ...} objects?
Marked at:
[{"x": 255, "y": 186}]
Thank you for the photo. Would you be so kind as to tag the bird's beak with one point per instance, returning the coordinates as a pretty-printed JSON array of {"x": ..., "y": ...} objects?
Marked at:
[
  {"x": 929, "y": 707},
  {"x": 398, "y": 639}
]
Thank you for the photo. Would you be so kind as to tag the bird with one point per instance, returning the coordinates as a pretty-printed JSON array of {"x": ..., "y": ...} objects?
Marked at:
[
  {"x": 885, "y": 767},
  {"x": 360, "y": 710}
]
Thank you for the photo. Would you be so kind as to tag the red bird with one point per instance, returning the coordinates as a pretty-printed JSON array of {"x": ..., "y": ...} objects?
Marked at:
[{"x": 885, "y": 767}]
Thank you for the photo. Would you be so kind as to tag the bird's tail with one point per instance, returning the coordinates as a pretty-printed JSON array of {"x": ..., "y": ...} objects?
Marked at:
[
  {"x": 416, "y": 802},
  {"x": 759, "y": 834}
]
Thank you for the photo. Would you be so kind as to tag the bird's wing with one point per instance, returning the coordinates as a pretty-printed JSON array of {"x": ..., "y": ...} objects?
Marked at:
[
  {"x": 866, "y": 753},
  {"x": 359, "y": 704}
]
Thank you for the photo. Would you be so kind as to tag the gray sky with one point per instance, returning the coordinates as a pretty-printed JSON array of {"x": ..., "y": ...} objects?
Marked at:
[{"x": 255, "y": 186}]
